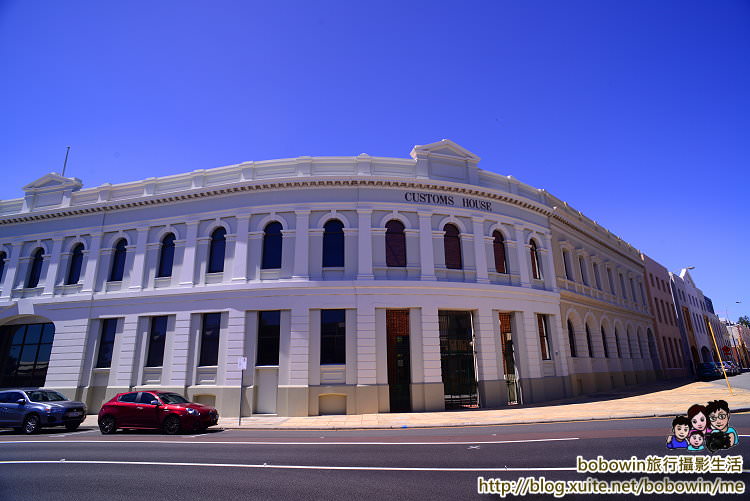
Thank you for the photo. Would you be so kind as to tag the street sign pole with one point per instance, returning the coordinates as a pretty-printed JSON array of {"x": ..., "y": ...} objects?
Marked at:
[{"x": 242, "y": 365}]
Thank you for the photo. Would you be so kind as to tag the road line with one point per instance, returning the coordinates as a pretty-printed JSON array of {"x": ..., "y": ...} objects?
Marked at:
[
  {"x": 285, "y": 466},
  {"x": 206, "y": 442},
  {"x": 72, "y": 433}
]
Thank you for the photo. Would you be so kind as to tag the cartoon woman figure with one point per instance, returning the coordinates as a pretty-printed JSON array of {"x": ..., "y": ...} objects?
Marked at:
[
  {"x": 695, "y": 440},
  {"x": 698, "y": 417}
]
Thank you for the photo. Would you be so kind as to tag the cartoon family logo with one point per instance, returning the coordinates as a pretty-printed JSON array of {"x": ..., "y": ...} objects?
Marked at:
[{"x": 692, "y": 432}]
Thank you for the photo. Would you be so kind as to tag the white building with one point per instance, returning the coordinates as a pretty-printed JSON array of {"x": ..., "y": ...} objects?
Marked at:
[{"x": 351, "y": 284}]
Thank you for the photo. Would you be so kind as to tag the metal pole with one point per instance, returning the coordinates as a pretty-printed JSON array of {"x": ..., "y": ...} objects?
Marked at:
[
  {"x": 718, "y": 353},
  {"x": 66, "y": 160},
  {"x": 242, "y": 380}
]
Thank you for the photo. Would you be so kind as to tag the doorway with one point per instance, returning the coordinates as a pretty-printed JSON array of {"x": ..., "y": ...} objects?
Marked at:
[
  {"x": 457, "y": 359},
  {"x": 509, "y": 358},
  {"x": 399, "y": 360}
]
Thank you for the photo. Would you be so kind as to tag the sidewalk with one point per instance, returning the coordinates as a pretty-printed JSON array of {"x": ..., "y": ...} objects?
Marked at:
[{"x": 666, "y": 398}]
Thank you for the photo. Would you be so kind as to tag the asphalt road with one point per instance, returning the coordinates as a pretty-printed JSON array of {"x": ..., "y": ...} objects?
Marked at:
[{"x": 436, "y": 463}]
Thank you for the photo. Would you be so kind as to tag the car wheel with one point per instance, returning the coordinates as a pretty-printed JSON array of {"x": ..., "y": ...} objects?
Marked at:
[
  {"x": 107, "y": 425},
  {"x": 171, "y": 425},
  {"x": 31, "y": 424},
  {"x": 72, "y": 426}
]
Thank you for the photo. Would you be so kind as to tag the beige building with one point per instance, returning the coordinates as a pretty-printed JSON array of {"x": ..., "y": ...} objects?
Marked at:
[{"x": 605, "y": 316}]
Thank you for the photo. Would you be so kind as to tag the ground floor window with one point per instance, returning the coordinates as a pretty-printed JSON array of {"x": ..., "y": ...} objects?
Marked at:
[{"x": 24, "y": 354}]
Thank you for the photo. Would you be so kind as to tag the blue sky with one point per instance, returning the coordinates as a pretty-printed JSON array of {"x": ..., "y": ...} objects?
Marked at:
[{"x": 635, "y": 112}]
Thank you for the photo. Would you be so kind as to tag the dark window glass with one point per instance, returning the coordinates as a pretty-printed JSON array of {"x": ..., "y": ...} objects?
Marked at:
[
  {"x": 395, "y": 243},
  {"x": 118, "y": 261},
  {"x": 272, "y": 246},
  {"x": 566, "y": 265},
  {"x": 536, "y": 269},
  {"x": 604, "y": 343},
  {"x": 11, "y": 397},
  {"x": 543, "y": 337},
  {"x": 617, "y": 342},
  {"x": 333, "y": 336},
  {"x": 106, "y": 343},
  {"x": 146, "y": 398},
  {"x": 269, "y": 328},
  {"x": 76, "y": 263},
  {"x": 333, "y": 244},
  {"x": 36, "y": 269},
  {"x": 572, "y": 339},
  {"x": 498, "y": 248},
  {"x": 3, "y": 257},
  {"x": 210, "y": 339},
  {"x": 217, "y": 250},
  {"x": 156, "y": 338},
  {"x": 588, "y": 342},
  {"x": 584, "y": 275},
  {"x": 128, "y": 397},
  {"x": 452, "y": 246},
  {"x": 166, "y": 256},
  {"x": 24, "y": 354}
]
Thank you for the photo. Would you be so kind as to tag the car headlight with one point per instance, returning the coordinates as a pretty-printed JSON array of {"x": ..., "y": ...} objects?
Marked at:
[{"x": 193, "y": 412}]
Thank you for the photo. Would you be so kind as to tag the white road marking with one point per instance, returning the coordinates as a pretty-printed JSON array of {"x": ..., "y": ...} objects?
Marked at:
[
  {"x": 285, "y": 466},
  {"x": 206, "y": 442},
  {"x": 73, "y": 433}
]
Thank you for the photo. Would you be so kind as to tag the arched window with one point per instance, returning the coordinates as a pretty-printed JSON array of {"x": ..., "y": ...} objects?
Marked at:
[
  {"x": 630, "y": 344},
  {"x": 118, "y": 261},
  {"x": 498, "y": 249},
  {"x": 395, "y": 243},
  {"x": 271, "y": 246},
  {"x": 452, "y": 246},
  {"x": 588, "y": 341},
  {"x": 26, "y": 352},
  {"x": 217, "y": 250},
  {"x": 604, "y": 343},
  {"x": 536, "y": 269},
  {"x": 641, "y": 346},
  {"x": 333, "y": 244},
  {"x": 572, "y": 339},
  {"x": 617, "y": 342},
  {"x": 76, "y": 263},
  {"x": 36, "y": 268},
  {"x": 3, "y": 257},
  {"x": 166, "y": 256}
]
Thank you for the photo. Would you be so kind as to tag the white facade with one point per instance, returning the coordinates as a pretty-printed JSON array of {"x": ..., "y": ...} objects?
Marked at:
[{"x": 439, "y": 185}]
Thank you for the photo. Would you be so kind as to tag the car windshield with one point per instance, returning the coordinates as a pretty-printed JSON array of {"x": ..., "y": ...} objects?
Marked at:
[
  {"x": 173, "y": 398},
  {"x": 45, "y": 396}
]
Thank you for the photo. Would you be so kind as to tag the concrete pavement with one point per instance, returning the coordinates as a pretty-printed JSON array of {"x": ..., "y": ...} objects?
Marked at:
[{"x": 664, "y": 398}]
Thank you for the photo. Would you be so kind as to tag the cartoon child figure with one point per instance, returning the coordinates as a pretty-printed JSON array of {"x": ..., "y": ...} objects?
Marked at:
[
  {"x": 680, "y": 432},
  {"x": 698, "y": 417},
  {"x": 696, "y": 440},
  {"x": 718, "y": 415}
]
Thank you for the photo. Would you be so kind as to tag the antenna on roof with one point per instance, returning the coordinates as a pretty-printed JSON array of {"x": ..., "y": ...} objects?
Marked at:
[{"x": 66, "y": 161}]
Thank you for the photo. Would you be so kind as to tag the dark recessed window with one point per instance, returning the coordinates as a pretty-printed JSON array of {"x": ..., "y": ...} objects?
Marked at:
[
  {"x": 584, "y": 274},
  {"x": 543, "y": 337},
  {"x": 572, "y": 339},
  {"x": 589, "y": 344},
  {"x": 36, "y": 268},
  {"x": 217, "y": 250},
  {"x": 566, "y": 265},
  {"x": 166, "y": 256},
  {"x": 536, "y": 268},
  {"x": 452, "y": 246},
  {"x": 118, "y": 261},
  {"x": 617, "y": 343},
  {"x": 395, "y": 243},
  {"x": 272, "y": 246},
  {"x": 498, "y": 249},
  {"x": 24, "y": 354},
  {"x": 604, "y": 343},
  {"x": 333, "y": 244},
  {"x": 333, "y": 336},
  {"x": 76, "y": 263},
  {"x": 156, "y": 338},
  {"x": 3, "y": 257},
  {"x": 106, "y": 343},
  {"x": 210, "y": 339},
  {"x": 269, "y": 330}
]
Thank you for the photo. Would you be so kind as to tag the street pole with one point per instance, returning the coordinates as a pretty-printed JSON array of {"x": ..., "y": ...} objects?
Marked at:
[{"x": 718, "y": 353}]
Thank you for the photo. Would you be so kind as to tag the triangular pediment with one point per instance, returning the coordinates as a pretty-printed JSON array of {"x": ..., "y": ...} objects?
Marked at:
[
  {"x": 53, "y": 182},
  {"x": 445, "y": 149}
]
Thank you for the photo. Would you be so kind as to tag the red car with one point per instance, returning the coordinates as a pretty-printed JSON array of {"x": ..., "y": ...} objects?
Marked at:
[{"x": 155, "y": 410}]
